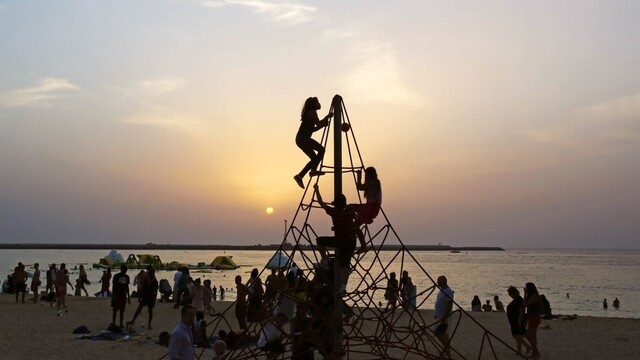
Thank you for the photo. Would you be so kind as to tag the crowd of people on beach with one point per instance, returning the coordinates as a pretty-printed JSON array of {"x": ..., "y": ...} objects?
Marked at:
[{"x": 309, "y": 304}]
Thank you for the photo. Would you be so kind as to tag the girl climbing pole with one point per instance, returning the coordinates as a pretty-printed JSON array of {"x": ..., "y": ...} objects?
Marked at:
[{"x": 314, "y": 150}]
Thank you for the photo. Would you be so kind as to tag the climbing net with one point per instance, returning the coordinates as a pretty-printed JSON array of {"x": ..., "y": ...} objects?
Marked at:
[{"x": 377, "y": 322}]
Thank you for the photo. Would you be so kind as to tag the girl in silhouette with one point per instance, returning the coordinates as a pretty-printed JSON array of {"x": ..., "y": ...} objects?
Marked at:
[{"x": 314, "y": 150}]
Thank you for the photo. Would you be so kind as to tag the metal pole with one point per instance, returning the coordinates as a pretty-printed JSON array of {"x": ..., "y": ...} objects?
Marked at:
[
  {"x": 336, "y": 104},
  {"x": 337, "y": 144}
]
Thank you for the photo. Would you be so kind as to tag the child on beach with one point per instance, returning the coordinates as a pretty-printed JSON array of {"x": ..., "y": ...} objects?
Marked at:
[
  {"x": 373, "y": 194},
  {"x": 310, "y": 124},
  {"x": 200, "y": 330},
  {"x": 219, "y": 350}
]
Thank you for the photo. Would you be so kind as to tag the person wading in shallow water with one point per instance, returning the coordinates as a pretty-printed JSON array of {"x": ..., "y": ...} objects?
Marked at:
[{"x": 313, "y": 149}]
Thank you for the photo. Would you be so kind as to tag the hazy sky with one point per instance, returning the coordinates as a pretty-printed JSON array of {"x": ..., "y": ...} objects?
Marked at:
[{"x": 491, "y": 123}]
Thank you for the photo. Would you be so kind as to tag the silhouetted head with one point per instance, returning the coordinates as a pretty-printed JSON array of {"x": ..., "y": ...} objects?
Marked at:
[
  {"x": 123, "y": 268},
  {"x": 311, "y": 104},
  {"x": 340, "y": 201},
  {"x": 370, "y": 173},
  {"x": 188, "y": 314},
  {"x": 392, "y": 275},
  {"x": 530, "y": 289},
  {"x": 254, "y": 273},
  {"x": 442, "y": 281},
  {"x": 238, "y": 279},
  {"x": 513, "y": 292}
]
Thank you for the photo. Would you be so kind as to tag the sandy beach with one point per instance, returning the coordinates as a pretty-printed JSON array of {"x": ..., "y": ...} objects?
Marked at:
[{"x": 35, "y": 331}]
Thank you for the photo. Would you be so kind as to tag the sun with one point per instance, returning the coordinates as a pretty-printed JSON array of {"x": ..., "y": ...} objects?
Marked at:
[{"x": 269, "y": 210}]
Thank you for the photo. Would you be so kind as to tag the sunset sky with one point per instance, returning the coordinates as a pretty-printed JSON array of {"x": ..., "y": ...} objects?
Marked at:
[{"x": 491, "y": 123}]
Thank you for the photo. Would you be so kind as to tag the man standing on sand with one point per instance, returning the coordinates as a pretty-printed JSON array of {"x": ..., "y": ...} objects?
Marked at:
[
  {"x": 241, "y": 303},
  {"x": 62, "y": 279},
  {"x": 51, "y": 278},
  {"x": 444, "y": 306},
  {"x": 181, "y": 341},
  {"x": 120, "y": 293},
  {"x": 35, "y": 282},
  {"x": 20, "y": 280}
]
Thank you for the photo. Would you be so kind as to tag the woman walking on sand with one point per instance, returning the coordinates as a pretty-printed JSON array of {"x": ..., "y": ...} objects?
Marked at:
[
  {"x": 308, "y": 125},
  {"x": 532, "y": 305}
]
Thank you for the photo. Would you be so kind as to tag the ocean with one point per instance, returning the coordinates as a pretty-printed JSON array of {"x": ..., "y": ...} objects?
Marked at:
[{"x": 588, "y": 276}]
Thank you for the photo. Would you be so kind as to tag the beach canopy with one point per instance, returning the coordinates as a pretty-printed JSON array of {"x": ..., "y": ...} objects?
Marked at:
[
  {"x": 279, "y": 260},
  {"x": 224, "y": 262},
  {"x": 115, "y": 257}
]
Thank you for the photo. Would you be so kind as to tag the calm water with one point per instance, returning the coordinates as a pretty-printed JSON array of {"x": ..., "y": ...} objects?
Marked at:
[{"x": 588, "y": 276}]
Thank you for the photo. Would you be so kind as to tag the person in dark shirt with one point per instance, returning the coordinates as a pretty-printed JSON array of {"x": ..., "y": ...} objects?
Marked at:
[
  {"x": 343, "y": 218},
  {"x": 313, "y": 149},
  {"x": 515, "y": 314},
  {"x": 148, "y": 295},
  {"x": 120, "y": 293}
]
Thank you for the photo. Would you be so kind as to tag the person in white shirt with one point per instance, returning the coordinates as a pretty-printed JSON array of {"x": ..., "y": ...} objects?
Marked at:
[
  {"x": 444, "y": 306},
  {"x": 270, "y": 334}
]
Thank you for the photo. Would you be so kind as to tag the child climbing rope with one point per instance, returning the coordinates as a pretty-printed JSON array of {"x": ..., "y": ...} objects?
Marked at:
[
  {"x": 310, "y": 124},
  {"x": 373, "y": 194},
  {"x": 343, "y": 219}
]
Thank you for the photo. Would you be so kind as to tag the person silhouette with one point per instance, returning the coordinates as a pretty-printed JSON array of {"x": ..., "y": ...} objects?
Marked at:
[
  {"x": 616, "y": 303},
  {"x": 369, "y": 210},
  {"x": 313, "y": 149},
  {"x": 604, "y": 304}
]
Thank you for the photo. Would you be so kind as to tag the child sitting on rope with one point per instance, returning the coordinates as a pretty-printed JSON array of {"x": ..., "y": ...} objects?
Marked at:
[
  {"x": 343, "y": 218},
  {"x": 373, "y": 194}
]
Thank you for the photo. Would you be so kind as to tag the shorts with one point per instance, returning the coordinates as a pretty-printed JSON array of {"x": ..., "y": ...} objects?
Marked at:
[
  {"x": 367, "y": 212},
  {"x": 442, "y": 326},
  {"x": 119, "y": 303},
  {"x": 274, "y": 347},
  {"x": 347, "y": 248},
  {"x": 241, "y": 311},
  {"x": 441, "y": 329},
  {"x": 21, "y": 287},
  {"x": 148, "y": 301},
  {"x": 533, "y": 321},
  {"x": 518, "y": 330}
]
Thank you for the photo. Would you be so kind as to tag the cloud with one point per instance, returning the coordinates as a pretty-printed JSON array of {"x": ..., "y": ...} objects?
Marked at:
[
  {"x": 147, "y": 98},
  {"x": 602, "y": 125},
  {"x": 158, "y": 87},
  {"x": 40, "y": 95},
  {"x": 160, "y": 118},
  {"x": 378, "y": 77},
  {"x": 335, "y": 34},
  {"x": 290, "y": 13},
  {"x": 619, "y": 108}
]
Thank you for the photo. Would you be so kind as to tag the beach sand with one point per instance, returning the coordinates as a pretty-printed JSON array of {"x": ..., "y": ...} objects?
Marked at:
[{"x": 35, "y": 331}]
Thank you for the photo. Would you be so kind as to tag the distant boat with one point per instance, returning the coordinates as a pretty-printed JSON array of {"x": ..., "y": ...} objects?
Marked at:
[{"x": 454, "y": 251}]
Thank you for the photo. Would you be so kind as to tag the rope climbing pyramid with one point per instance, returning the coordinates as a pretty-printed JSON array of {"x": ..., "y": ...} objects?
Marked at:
[{"x": 379, "y": 314}]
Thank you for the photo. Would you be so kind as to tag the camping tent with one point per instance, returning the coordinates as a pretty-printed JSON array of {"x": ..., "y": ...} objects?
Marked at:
[
  {"x": 223, "y": 262},
  {"x": 279, "y": 260}
]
